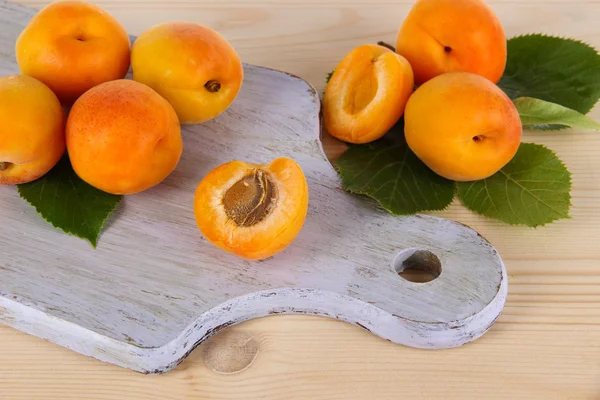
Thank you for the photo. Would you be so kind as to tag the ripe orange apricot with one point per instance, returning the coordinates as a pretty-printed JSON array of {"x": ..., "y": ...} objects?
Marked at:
[
  {"x": 190, "y": 65},
  {"x": 462, "y": 126},
  {"x": 72, "y": 46},
  {"x": 123, "y": 137},
  {"x": 252, "y": 210},
  {"x": 32, "y": 132},
  {"x": 366, "y": 94},
  {"x": 441, "y": 36}
]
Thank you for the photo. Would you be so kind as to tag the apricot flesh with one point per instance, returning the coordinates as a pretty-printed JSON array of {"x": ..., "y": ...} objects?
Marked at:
[
  {"x": 366, "y": 94},
  {"x": 32, "y": 132},
  {"x": 123, "y": 137},
  {"x": 440, "y": 36},
  {"x": 253, "y": 211},
  {"x": 190, "y": 65},
  {"x": 462, "y": 126},
  {"x": 72, "y": 46}
]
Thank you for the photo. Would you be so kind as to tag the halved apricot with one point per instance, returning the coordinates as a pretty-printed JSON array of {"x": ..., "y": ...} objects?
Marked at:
[
  {"x": 252, "y": 210},
  {"x": 366, "y": 94}
]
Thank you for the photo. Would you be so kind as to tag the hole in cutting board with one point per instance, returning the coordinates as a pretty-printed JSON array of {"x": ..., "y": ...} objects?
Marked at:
[{"x": 417, "y": 265}]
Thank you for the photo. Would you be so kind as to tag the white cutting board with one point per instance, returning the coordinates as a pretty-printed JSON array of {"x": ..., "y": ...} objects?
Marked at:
[{"x": 155, "y": 288}]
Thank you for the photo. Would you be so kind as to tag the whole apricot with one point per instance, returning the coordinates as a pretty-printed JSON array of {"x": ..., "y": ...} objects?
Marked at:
[
  {"x": 190, "y": 65},
  {"x": 32, "y": 132},
  {"x": 441, "y": 36},
  {"x": 72, "y": 46},
  {"x": 366, "y": 94},
  {"x": 252, "y": 210},
  {"x": 123, "y": 137},
  {"x": 462, "y": 126}
]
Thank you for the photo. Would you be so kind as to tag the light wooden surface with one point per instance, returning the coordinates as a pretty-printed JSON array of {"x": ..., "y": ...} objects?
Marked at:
[{"x": 546, "y": 345}]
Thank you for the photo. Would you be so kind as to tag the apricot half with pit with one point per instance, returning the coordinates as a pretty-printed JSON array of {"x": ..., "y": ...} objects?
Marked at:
[{"x": 252, "y": 210}]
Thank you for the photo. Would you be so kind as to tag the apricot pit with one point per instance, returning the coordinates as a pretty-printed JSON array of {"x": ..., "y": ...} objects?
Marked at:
[
  {"x": 252, "y": 210},
  {"x": 251, "y": 199}
]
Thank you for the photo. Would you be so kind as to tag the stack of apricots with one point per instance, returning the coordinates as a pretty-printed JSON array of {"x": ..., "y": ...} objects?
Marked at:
[
  {"x": 457, "y": 120},
  {"x": 123, "y": 136}
]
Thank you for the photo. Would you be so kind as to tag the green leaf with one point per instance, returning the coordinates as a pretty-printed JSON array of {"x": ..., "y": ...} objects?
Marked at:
[
  {"x": 537, "y": 113},
  {"x": 329, "y": 75},
  {"x": 558, "y": 70},
  {"x": 389, "y": 172},
  {"x": 532, "y": 189},
  {"x": 68, "y": 203}
]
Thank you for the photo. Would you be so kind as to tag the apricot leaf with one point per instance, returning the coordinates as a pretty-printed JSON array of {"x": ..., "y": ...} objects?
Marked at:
[
  {"x": 536, "y": 112},
  {"x": 329, "y": 75},
  {"x": 558, "y": 70},
  {"x": 533, "y": 189},
  {"x": 68, "y": 203},
  {"x": 389, "y": 172}
]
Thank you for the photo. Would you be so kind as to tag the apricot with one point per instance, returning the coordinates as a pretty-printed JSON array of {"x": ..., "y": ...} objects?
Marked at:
[
  {"x": 190, "y": 65},
  {"x": 462, "y": 126},
  {"x": 123, "y": 137},
  {"x": 366, "y": 94},
  {"x": 252, "y": 210},
  {"x": 72, "y": 46},
  {"x": 32, "y": 132},
  {"x": 441, "y": 36}
]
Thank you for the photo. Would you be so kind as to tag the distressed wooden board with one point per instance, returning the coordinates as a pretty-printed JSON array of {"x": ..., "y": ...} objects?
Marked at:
[{"x": 155, "y": 288}]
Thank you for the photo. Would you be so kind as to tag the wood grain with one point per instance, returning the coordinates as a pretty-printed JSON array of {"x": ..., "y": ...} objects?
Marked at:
[{"x": 546, "y": 345}]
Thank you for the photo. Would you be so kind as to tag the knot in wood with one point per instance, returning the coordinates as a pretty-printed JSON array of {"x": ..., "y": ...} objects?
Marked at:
[{"x": 229, "y": 352}]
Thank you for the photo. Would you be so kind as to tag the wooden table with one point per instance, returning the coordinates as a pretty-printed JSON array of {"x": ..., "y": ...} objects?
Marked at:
[{"x": 545, "y": 346}]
